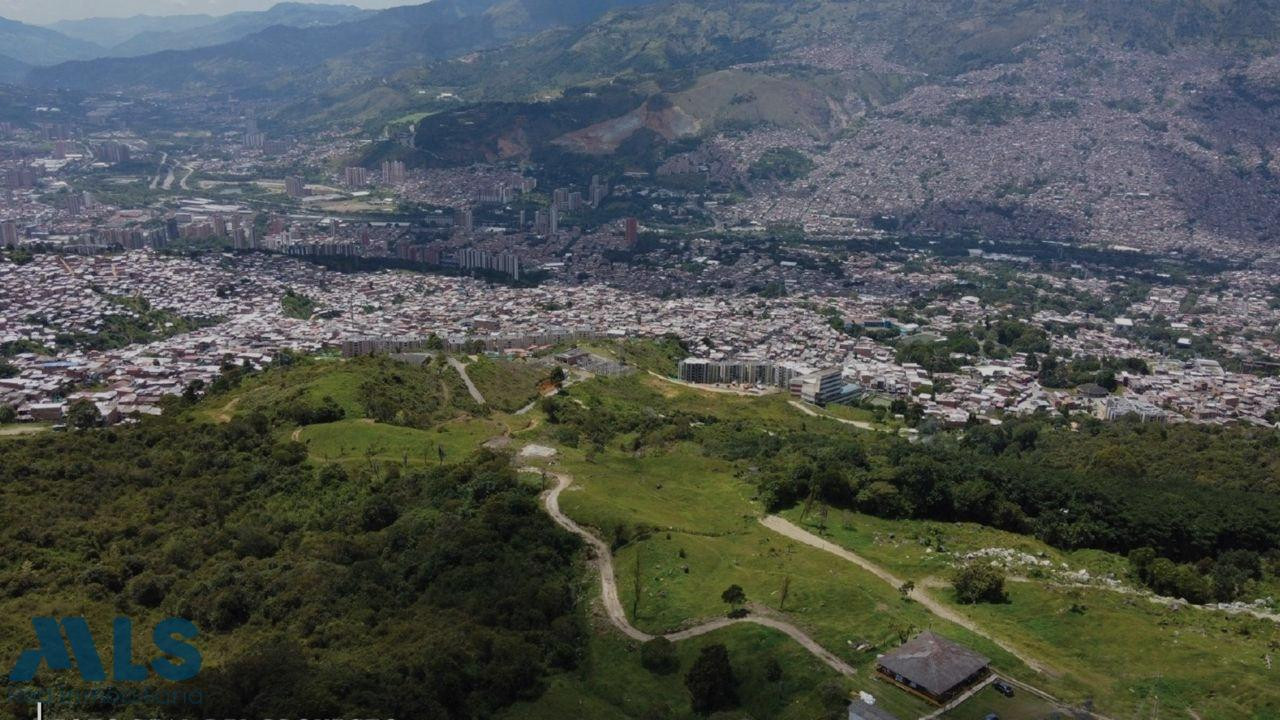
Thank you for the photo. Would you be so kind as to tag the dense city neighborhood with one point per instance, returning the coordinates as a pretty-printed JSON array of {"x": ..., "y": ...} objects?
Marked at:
[{"x": 201, "y": 312}]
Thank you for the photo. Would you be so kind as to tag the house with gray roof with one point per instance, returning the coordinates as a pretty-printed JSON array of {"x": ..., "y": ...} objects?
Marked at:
[{"x": 933, "y": 667}]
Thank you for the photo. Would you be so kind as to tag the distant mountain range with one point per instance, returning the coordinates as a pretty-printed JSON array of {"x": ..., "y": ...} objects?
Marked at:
[
  {"x": 143, "y": 34},
  {"x": 31, "y": 45},
  {"x": 299, "y": 61},
  {"x": 12, "y": 71},
  {"x": 1092, "y": 119},
  {"x": 109, "y": 32},
  {"x": 23, "y": 45},
  {"x": 1145, "y": 124}
]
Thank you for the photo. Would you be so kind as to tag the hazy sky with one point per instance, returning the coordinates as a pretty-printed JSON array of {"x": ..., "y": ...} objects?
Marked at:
[{"x": 41, "y": 12}]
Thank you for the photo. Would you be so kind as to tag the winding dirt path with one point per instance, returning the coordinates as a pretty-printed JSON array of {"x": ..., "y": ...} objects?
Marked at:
[
  {"x": 714, "y": 388},
  {"x": 466, "y": 379},
  {"x": 860, "y": 424},
  {"x": 227, "y": 412},
  {"x": 788, "y": 529},
  {"x": 603, "y": 558}
]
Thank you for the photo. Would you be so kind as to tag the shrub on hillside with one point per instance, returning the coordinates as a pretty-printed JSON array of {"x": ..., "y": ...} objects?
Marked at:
[{"x": 979, "y": 582}]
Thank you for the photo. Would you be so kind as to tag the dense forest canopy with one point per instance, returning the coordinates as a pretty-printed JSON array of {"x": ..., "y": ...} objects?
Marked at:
[{"x": 315, "y": 586}]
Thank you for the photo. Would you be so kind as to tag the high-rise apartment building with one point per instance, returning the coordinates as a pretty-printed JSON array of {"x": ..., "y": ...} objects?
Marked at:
[
  {"x": 633, "y": 233},
  {"x": 294, "y": 187},
  {"x": 356, "y": 177},
  {"x": 8, "y": 233},
  {"x": 393, "y": 172},
  {"x": 23, "y": 178},
  {"x": 72, "y": 202},
  {"x": 560, "y": 198},
  {"x": 464, "y": 220},
  {"x": 735, "y": 372},
  {"x": 112, "y": 152},
  {"x": 597, "y": 192},
  {"x": 505, "y": 263}
]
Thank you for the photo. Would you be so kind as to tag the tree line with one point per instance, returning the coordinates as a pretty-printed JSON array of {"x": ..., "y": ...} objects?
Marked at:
[{"x": 324, "y": 589}]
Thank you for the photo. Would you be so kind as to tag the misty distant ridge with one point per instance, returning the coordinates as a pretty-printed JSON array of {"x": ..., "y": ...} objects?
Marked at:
[
  {"x": 145, "y": 34},
  {"x": 23, "y": 46},
  {"x": 330, "y": 54},
  {"x": 31, "y": 45},
  {"x": 108, "y": 32}
]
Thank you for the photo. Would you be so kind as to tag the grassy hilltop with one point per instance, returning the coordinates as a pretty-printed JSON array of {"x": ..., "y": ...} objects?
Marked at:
[
  {"x": 665, "y": 490},
  {"x": 341, "y": 523}
]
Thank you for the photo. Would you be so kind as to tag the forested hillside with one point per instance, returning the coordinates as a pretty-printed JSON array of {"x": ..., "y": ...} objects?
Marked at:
[
  {"x": 316, "y": 585},
  {"x": 336, "y": 528}
]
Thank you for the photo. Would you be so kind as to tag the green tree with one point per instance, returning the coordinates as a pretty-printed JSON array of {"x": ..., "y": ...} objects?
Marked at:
[
  {"x": 711, "y": 681},
  {"x": 882, "y": 499},
  {"x": 658, "y": 656},
  {"x": 734, "y": 595},
  {"x": 979, "y": 582},
  {"x": 297, "y": 306},
  {"x": 7, "y": 414},
  {"x": 83, "y": 414},
  {"x": 1107, "y": 379},
  {"x": 191, "y": 394}
]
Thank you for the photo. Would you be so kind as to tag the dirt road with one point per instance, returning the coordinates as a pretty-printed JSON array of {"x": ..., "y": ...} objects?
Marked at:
[
  {"x": 799, "y": 534},
  {"x": 603, "y": 558},
  {"x": 471, "y": 387},
  {"x": 860, "y": 424}
]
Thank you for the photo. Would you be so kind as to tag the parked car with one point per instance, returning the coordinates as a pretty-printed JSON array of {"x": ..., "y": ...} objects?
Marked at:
[
  {"x": 991, "y": 716},
  {"x": 1003, "y": 688}
]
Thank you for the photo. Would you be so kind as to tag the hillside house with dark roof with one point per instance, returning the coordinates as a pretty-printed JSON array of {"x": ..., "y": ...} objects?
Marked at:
[{"x": 933, "y": 667}]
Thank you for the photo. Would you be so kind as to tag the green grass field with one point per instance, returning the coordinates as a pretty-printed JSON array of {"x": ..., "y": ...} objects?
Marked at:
[
  {"x": 611, "y": 684},
  {"x": 18, "y": 430},
  {"x": 645, "y": 390},
  {"x": 1134, "y": 655},
  {"x": 314, "y": 381},
  {"x": 660, "y": 356},
  {"x": 1122, "y": 650},
  {"x": 507, "y": 385},
  {"x": 688, "y": 522},
  {"x": 1022, "y": 706},
  {"x": 356, "y": 441},
  {"x": 919, "y": 549},
  {"x": 859, "y": 414},
  {"x": 693, "y": 530}
]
